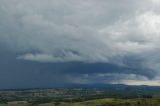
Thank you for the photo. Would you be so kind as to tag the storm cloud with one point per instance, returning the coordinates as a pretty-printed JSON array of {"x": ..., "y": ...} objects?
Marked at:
[{"x": 99, "y": 39}]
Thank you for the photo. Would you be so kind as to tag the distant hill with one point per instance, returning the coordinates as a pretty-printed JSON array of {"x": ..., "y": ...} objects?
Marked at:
[
  {"x": 95, "y": 85},
  {"x": 102, "y": 85}
]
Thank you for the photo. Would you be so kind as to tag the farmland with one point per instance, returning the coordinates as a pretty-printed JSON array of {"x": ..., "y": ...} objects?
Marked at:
[{"x": 130, "y": 96}]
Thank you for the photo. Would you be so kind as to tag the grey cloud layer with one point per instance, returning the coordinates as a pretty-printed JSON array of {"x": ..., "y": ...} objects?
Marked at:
[{"x": 82, "y": 30}]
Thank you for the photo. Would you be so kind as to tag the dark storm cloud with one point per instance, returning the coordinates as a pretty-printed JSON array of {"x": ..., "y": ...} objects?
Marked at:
[
  {"x": 26, "y": 74},
  {"x": 52, "y": 41}
]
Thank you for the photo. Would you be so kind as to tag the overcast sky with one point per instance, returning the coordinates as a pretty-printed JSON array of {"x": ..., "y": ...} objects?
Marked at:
[{"x": 47, "y": 43}]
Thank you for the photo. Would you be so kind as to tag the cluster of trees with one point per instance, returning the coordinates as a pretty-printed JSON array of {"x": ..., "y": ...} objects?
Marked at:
[
  {"x": 2, "y": 100},
  {"x": 40, "y": 100},
  {"x": 129, "y": 104}
]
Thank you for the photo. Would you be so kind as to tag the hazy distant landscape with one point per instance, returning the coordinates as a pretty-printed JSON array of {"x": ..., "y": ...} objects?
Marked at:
[{"x": 111, "y": 95}]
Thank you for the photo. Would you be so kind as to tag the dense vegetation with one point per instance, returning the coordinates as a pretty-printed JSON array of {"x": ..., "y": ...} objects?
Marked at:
[
  {"x": 81, "y": 97},
  {"x": 96, "y": 102}
]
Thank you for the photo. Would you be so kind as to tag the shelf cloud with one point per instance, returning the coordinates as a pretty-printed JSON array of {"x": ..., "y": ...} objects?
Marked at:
[{"x": 123, "y": 33}]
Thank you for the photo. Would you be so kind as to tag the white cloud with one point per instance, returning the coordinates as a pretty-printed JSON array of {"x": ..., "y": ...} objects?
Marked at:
[
  {"x": 156, "y": 1},
  {"x": 50, "y": 58},
  {"x": 137, "y": 82}
]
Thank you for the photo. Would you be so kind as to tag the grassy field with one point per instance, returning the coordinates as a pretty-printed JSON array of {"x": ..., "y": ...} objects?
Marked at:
[{"x": 96, "y": 102}]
